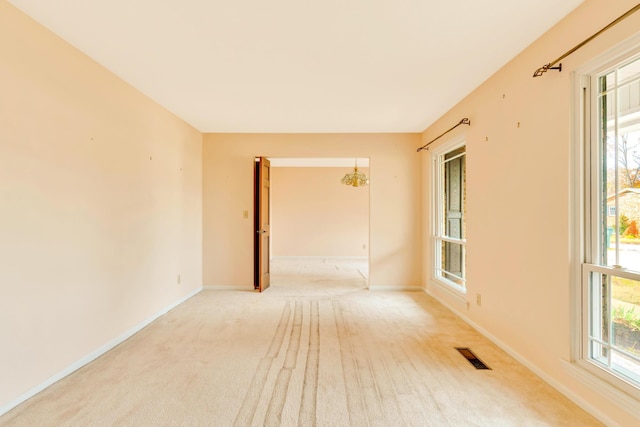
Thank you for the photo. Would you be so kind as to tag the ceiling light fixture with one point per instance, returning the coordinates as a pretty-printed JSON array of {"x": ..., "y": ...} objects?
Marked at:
[{"x": 355, "y": 178}]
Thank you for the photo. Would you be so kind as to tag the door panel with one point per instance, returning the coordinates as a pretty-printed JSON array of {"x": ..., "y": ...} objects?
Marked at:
[{"x": 263, "y": 231}]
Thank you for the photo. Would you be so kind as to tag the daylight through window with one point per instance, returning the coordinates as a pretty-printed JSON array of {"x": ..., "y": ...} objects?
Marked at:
[
  {"x": 450, "y": 214},
  {"x": 611, "y": 273}
]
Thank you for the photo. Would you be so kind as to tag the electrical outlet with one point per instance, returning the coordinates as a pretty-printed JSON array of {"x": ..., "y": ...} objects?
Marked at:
[
  {"x": 478, "y": 299},
  {"x": 364, "y": 246},
  {"x": 178, "y": 279}
]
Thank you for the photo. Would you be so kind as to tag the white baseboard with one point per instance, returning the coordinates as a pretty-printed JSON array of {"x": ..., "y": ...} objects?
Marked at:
[
  {"x": 228, "y": 288},
  {"x": 396, "y": 288},
  {"x": 570, "y": 394},
  {"x": 92, "y": 356}
]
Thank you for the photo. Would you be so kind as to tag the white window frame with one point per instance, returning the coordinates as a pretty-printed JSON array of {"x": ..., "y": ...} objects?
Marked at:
[
  {"x": 584, "y": 217},
  {"x": 437, "y": 234}
]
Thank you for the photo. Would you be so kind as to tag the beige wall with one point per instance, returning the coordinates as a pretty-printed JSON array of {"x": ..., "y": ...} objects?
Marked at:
[
  {"x": 313, "y": 214},
  {"x": 102, "y": 197},
  {"x": 519, "y": 179},
  {"x": 395, "y": 194},
  {"x": 100, "y": 206}
]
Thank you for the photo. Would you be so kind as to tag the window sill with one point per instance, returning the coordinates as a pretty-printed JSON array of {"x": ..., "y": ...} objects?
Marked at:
[
  {"x": 628, "y": 400},
  {"x": 458, "y": 294}
]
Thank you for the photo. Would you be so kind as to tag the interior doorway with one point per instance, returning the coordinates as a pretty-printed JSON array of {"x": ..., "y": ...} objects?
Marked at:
[{"x": 319, "y": 227}]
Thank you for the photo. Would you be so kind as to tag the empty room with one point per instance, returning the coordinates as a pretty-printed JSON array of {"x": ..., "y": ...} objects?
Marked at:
[{"x": 479, "y": 264}]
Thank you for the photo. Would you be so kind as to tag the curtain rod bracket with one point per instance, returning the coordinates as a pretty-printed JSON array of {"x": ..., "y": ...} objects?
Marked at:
[{"x": 464, "y": 121}]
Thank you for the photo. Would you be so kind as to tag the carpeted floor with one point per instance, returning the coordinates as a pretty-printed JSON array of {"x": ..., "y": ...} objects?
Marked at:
[{"x": 316, "y": 348}]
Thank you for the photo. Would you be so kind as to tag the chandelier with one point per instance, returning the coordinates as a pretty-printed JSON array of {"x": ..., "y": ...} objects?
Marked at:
[{"x": 355, "y": 178}]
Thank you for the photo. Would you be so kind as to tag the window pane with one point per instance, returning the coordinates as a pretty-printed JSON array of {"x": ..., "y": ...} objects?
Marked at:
[
  {"x": 452, "y": 262},
  {"x": 608, "y": 228},
  {"x": 454, "y": 194},
  {"x": 599, "y": 302},
  {"x": 629, "y": 72},
  {"x": 614, "y": 323},
  {"x": 626, "y": 365},
  {"x": 625, "y": 314},
  {"x": 619, "y": 131},
  {"x": 454, "y": 153},
  {"x": 606, "y": 82}
]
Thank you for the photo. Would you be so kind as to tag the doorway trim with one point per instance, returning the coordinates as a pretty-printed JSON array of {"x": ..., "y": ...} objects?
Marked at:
[{"x": 314, "y": 162}]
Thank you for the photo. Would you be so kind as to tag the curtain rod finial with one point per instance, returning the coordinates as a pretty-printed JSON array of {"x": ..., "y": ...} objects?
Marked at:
[{"x": 540, "y": 71}]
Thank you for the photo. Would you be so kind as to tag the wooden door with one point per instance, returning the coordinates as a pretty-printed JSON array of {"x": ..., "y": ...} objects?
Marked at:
[{"x": 263, "y": 221}]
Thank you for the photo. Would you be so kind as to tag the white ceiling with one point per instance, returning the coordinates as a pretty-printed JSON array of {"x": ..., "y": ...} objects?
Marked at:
[{"x": 302, "y": 65}]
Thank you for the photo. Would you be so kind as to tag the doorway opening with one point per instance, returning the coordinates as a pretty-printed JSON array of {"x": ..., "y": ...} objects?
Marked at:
[{"x": 319, "y": 227}]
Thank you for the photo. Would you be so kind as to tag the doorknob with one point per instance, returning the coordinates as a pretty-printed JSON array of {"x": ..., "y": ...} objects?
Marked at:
[{"x": 261, "y": 231}]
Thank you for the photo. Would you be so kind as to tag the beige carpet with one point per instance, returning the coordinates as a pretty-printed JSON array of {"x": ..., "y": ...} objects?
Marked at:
[{"x": 316, "y": 348}]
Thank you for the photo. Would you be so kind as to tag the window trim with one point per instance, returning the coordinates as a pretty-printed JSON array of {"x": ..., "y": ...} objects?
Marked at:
[
  {"x": 581, "y": 213},
  {"x": 454, "y": 289}
]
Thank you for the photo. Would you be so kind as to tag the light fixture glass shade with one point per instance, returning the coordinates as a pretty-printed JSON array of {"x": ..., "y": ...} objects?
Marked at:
[{"x": 355, "y": 178}]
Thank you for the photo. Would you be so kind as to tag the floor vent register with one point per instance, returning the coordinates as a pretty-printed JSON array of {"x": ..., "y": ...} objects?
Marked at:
[{"x": 472, "y": 358}]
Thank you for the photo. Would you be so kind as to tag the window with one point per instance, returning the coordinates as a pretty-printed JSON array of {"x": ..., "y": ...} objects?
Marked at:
[
  {"x": 449, "y": 213},
  {"x": 610, "y": 282}
]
